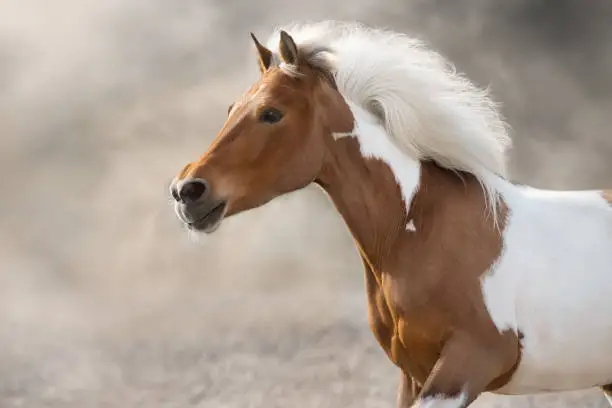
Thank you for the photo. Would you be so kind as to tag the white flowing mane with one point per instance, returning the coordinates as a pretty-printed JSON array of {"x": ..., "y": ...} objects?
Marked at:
[{"x": 427, "y": 108}]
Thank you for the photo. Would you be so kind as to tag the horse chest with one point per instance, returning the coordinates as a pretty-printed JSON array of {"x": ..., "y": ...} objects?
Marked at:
[{"x": 406, "y": 345}]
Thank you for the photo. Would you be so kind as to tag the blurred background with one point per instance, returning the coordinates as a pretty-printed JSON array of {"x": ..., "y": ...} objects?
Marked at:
[{"x": 106, "y": 302}]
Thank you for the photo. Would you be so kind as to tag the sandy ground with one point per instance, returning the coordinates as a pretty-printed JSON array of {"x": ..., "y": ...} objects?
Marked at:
[{"x": 105, "y": 302}]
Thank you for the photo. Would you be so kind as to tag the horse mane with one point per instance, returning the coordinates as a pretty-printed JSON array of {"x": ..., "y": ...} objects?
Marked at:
[{"x": 428, "y": 109}]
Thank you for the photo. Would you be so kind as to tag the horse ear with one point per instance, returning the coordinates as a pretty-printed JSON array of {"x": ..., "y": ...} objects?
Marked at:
[
  {"x": 288, "y": 49},
  {"x": 264, "y": 55}
]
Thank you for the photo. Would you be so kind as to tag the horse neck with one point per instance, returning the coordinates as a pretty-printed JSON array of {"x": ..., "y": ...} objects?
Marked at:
[
  {"x": 389, "y": 200},
  {"x": 372, "y": 184}
]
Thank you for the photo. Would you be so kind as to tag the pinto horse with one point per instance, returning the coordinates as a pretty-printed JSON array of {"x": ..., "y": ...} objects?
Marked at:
[{"x": 474, "y": 284}]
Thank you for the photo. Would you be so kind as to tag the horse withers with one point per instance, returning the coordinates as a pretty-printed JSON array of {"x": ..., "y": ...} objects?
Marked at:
[{"x": 474, "y": 284}]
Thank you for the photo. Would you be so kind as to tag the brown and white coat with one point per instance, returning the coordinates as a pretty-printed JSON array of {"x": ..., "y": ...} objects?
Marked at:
[{"x": 473, "y": 283}]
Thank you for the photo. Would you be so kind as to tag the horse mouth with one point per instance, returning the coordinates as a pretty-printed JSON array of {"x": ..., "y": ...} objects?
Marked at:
[{"x": 210, "y": 221}]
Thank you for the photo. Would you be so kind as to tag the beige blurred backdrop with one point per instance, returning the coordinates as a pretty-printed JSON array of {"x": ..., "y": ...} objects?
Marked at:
[{"x": 104, "y": 300}]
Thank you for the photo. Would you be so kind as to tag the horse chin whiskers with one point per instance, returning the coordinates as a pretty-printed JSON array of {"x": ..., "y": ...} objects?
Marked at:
[
  {"x": 197, "y": 237},
  {"x": 201, "y": 236}
]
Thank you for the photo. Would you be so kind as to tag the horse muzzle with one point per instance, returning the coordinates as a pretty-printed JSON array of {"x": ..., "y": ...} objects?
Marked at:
[{"x": 195, "y": 206}]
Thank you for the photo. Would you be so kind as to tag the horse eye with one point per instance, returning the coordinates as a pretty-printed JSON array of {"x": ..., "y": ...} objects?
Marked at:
[
  {"x": 271, "y": 116},
  {"x": 229, "y": 108}
]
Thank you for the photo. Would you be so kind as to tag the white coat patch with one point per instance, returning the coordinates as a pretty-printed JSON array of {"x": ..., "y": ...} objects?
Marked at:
[
  {"x": 410, "y": 226},
  {"x": 553, "y": 283},
  {"x": 374, "y": 142},
  {"x": 440, "y": 401}
]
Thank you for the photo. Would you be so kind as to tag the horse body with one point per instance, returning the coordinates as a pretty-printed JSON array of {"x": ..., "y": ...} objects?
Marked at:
[
  {"x": 550, "y": 283},
  {"x": 553, "y": 282},
  {"x": 473, "y": 283}
]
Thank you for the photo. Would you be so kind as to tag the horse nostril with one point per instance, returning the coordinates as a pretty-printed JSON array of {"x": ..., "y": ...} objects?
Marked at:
[
  {"x": 192, "y": 190},
  {"x": 174, "y": 193}
]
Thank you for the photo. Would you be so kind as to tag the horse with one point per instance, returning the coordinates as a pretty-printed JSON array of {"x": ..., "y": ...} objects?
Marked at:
[{"x": 474, "y": 283}]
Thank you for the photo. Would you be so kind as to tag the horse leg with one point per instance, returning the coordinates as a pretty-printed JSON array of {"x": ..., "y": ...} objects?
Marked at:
[
  {"x": 465, "y": 369},
  {"x": 607, "y": 389},
  {"x": 408, "y": 391}
]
